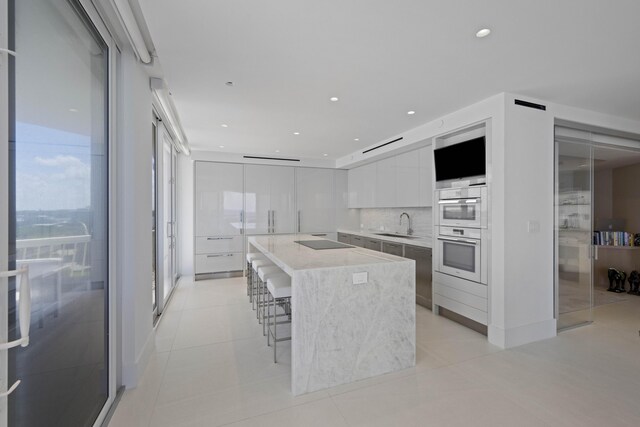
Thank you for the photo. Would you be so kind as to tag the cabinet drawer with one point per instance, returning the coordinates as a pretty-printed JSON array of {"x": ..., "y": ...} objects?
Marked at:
[
  {"x": 344, "y": 238},
  {"x": 218, "y": 244},
  {"x": 373, "y": 244},
  {"x": 392, "y": 248},
  {"x": 462, "y": 297},
  {"x": 357, "y": 241},
  {"x": 217, "y": 263}
]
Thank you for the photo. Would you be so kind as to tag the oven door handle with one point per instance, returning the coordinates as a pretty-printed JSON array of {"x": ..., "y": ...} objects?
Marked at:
[
  {"x": 458, "y": 201},
  {"x": 470, "y": 242}
]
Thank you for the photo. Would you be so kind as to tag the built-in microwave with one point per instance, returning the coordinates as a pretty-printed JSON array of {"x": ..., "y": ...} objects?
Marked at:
[
  {"x": 463, "y": 207},
  {"x": 460, "y": 253}
]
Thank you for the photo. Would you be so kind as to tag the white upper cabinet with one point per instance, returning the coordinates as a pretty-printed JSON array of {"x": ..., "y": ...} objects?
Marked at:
[
  {"x": 354, "y": 185},
  {"x": 385, "y": 182},
  {"x": 367, "y": 195},
  {"x": 401, "y": 181},
  {"x": 362, "y": 186},
  {"x": 315, "y": 196},
  {"x": 425, "y": 156},
  {"x": 269, "y": 199},
  {"x": 218, "y": 199},
  {"x": 407, "y": 182},
  {"x": 344, "y": 217}
]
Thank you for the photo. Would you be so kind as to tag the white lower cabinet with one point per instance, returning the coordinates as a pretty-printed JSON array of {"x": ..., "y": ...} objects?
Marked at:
[
  {"x": 218, "y": 244},
  {"x": 219, "y": 263}
]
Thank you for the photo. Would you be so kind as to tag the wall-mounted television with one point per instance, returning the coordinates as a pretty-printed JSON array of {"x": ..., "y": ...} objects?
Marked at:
[{"x": 462, "y": 160}]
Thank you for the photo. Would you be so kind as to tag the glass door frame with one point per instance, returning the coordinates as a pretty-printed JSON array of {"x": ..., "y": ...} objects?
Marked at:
[
  {"x": 94, "y": 18},
  {"x": 112, "y": 126},
  {"x": 5, "y": 63},
  {"x": 590, "y": 254},
  {"x": 161, "y": 222},
  {"x": 155, "y": 122},
  {"x": 593, "y": 145}
]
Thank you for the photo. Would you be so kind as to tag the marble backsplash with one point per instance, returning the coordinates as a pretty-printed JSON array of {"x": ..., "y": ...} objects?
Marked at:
[{"x": 389, "y": 218}]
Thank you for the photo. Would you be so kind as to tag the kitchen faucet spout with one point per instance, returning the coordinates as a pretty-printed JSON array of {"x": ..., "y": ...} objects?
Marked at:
[{"x": 409, "y": 229}]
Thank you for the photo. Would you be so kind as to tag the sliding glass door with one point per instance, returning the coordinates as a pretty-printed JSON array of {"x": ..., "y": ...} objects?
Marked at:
[
  {"x": 574, "y": 226},
  {"x": 166, "y": 158},
  {"x": 57, "y": 223}
]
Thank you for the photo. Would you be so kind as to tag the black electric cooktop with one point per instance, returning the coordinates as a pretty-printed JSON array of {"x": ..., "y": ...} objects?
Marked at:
[{"x": 323, "y": 244}]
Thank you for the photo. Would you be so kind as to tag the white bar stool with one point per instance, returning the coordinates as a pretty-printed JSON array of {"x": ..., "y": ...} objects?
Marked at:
[
  {"x": 280, "y": 294},
  {"x": 264, "y": 273},
  {"x": 251, "y": 256},
  {"x": 255, "y": 264}
]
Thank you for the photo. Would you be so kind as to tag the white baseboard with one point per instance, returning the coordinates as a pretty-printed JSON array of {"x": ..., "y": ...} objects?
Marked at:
[{"x": 513, "y": 337}]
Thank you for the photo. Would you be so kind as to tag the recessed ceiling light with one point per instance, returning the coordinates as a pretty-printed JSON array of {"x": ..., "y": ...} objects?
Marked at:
[
  {"x": 296, "y": 133},
  {"x": 411, "y": 113},
  {"x": 73, "y": 110},
  {"x": 333, "y": 99},
  {"x": 224, "y": 125},
  {"x": 277, "y": 151},
  {"x": 325, "y": 155},
  {"x": 483, "y": 33},
  {"x": 356, "y": 139},
  {"x": 229, "y": 83},
  {"x": 221, "y": 146}
]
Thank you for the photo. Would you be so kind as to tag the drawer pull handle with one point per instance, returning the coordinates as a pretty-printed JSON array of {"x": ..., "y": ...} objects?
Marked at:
[
  {"x": 218, "y": 256},
  {"x": 219, "y": 238}
]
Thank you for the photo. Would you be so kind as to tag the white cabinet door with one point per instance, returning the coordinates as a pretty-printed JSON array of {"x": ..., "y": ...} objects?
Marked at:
[
  {"x": 344, "y": 217},
  {"x": 385, "y": 195},
  {"x": 315, "y": 197},
  {"x": 218, "y": 199},
  {"x": 257, "y": 199},
  {"x": 425, "y": 156},
  {"x": 282, "y": 195},
  {"x": 354, "y": 178},
  {"x": 367, "y": 192},
  {"x": 407, "y": 180}
]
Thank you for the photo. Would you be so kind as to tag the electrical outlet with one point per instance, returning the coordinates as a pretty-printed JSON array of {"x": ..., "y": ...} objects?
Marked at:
[{"x": 360, "y": 278}]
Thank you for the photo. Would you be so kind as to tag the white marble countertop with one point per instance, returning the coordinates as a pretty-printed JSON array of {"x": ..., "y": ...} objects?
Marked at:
[
  {"x": 424, "y": 242},
  {"x": 290, "y": 256}
]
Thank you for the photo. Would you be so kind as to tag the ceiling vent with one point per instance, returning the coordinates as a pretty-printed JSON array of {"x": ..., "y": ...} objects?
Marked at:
[
  {"x": 279, "y": 159},
  {"x": 530, "y": 105},
  {"x": 382, "y": 145}
]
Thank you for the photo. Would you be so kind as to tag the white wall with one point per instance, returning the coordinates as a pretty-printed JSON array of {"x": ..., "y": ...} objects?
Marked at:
[{"x": 134, "y": 150}]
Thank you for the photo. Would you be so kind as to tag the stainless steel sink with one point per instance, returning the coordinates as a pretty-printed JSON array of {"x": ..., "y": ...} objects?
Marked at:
[{"x": 403, "y": 236}]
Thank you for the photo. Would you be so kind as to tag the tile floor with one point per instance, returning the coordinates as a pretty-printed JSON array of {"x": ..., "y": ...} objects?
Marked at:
[{"x": 212, "y": 367}]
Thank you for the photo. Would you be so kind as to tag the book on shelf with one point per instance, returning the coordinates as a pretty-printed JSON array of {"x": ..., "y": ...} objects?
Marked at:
[{"x": 613, "y": 238}]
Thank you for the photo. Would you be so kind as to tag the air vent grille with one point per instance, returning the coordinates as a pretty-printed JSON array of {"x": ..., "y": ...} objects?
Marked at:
[
  {"x": 381, "y": 145},
  {"x": 530, "y": 105},
  {"x": 280, "y": 159}
]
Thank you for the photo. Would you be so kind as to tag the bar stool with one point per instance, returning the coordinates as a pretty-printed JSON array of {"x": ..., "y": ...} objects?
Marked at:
[
  {"x": 255, "y": 264},
  {"x": 279, "y": 287},
  {"x": 251, "y": 256},
  {"x": 263, "y": 275}
]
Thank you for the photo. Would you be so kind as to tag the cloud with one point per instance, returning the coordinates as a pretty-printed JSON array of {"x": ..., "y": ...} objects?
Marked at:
[
  {"x": 61, "y": 182},
  {"x": 59, "y": 160}
]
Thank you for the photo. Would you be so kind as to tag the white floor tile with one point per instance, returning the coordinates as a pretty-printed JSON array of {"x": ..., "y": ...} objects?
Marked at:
[{"x": 212, "y": 367}]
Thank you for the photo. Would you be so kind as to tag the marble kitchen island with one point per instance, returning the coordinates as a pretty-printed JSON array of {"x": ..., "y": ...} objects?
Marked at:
[{"x": 344, "y": 332}]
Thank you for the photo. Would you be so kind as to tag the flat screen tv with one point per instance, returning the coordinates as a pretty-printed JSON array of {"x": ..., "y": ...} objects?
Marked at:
[{"x": 463, "y": 160}]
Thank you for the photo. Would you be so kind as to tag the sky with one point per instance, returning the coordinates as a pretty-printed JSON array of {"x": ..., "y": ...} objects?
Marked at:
[{"x": 53, "y": 169}]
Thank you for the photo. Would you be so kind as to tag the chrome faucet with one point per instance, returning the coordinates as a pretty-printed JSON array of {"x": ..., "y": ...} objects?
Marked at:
[{"x": 409, "y": 229}]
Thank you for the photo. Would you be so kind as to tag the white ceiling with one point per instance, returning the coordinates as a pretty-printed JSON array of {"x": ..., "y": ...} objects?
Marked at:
[{"x": 381, "y": 58}]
